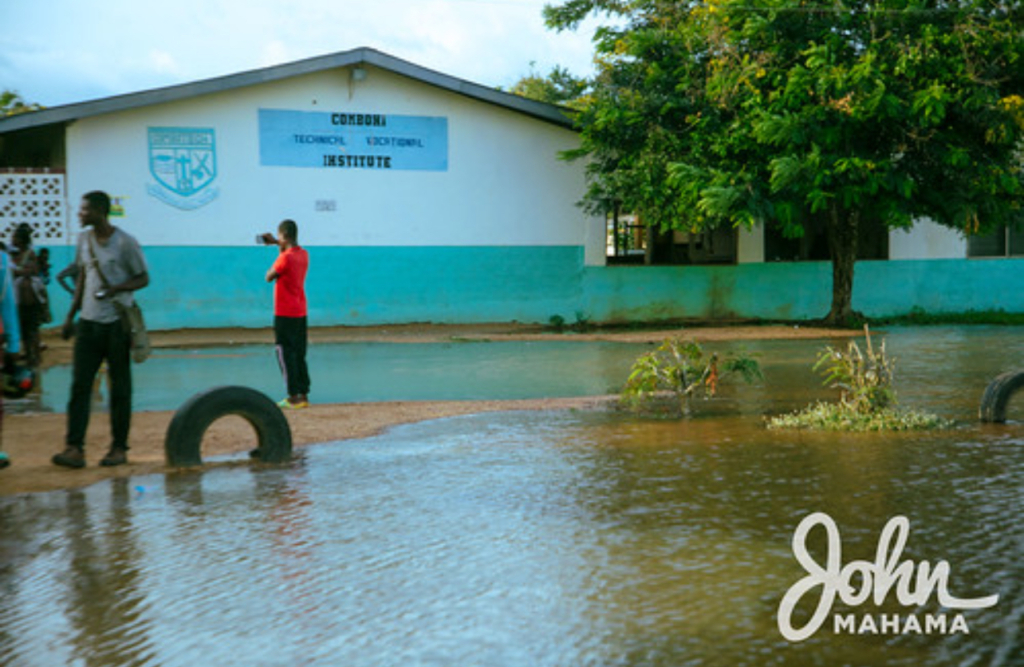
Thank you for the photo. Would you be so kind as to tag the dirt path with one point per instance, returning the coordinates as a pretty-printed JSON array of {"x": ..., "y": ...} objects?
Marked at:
[{"x": 31, "y": 440}]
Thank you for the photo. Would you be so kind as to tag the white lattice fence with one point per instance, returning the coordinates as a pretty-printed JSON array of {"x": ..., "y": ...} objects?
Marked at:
[{"x": 37, "y": 199}]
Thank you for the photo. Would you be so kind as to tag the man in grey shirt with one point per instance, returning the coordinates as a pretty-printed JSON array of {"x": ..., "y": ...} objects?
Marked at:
[{"x": 111, "y": 267}]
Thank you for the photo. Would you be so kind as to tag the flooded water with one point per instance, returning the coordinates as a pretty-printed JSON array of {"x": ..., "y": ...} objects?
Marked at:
[
  {"x": 552, "y": 538},
  {"x": 364, "y": 372},
  {"x": 940, "y": 367}
]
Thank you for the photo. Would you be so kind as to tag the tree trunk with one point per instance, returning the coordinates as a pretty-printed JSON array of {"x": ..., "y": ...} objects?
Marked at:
[{"x": 842, "y": 245}]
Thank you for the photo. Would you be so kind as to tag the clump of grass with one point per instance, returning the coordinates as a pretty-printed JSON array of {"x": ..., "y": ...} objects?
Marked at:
[
  {"x": 919, "y": 316},
  {"x": 682, "y": 370},
  {"x": 582, "y": 324},
  {"x": 823, "y": 416},
  {"x": 867, "y": 400}
]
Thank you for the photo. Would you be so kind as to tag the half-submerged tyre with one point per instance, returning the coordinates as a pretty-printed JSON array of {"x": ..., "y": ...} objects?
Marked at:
[
  {"x": 997, "y": 396},
  {"x": 185, "y": 433}
]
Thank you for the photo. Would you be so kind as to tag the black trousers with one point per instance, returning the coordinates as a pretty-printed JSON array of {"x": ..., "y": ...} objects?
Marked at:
[
  {"x": 29, "y": 320},
  {"x": 291, "y": 339},
  {"x": 94, "y": 343}
]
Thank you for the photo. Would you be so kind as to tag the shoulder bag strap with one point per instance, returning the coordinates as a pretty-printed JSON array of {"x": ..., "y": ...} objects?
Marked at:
[{"x": 95, "y": 262}]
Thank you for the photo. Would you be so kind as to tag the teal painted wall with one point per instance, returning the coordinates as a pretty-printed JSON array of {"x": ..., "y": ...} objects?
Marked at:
[
  {"x": 214, "y": 287},
  {"x": 789, "y": 291},
  {"x": 801, "y": 290},
  {"x": 939, "y": 285}
]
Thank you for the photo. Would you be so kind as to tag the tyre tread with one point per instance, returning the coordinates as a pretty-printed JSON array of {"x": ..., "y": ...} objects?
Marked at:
[{"x": 185, "y": 433}]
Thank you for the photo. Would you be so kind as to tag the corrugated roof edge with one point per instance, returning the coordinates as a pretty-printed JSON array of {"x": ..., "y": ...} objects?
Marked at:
[{"x": 364, "y": 55}]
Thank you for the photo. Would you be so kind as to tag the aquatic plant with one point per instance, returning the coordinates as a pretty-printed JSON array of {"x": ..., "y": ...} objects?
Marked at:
[
  {"x": 867, "y": 399},
  {"x": 682, "y": 370},
  {"x": 824, "y": 416},
  {"x": 864, "y": 379}
]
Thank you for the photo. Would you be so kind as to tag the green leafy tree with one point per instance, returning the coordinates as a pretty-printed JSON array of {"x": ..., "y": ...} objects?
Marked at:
[
  {"x": 11, "y": 104},
  {"x": 845, "y": 115},
  {"x": 559, "y": 86}
]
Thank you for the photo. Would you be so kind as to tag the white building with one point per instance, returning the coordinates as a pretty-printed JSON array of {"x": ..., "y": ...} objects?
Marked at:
[{"x": 421, "y": 197}]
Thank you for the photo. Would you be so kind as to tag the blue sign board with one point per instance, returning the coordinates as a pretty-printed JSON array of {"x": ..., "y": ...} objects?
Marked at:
[{"x": 342, "y": 140}]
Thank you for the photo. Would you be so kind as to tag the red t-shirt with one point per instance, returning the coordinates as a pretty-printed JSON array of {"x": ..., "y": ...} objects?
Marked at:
[{"x": 290, "y": 287}]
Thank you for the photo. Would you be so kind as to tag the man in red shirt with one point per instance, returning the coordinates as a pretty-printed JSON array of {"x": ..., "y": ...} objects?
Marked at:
[{"x": 290, "y": 313}]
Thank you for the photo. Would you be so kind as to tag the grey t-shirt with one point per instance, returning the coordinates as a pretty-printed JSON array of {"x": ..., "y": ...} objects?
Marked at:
[{"x": 120, "y": 258}]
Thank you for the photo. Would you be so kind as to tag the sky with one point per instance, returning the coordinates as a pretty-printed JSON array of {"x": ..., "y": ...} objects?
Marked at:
[{"x": 55, "y": 52}]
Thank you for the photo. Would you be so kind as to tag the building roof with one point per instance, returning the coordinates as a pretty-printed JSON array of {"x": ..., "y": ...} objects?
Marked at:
[{"x": 361, "y": 56}]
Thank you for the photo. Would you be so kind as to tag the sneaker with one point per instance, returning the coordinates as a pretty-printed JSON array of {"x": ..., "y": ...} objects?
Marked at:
[
  {"x": 288, "y": 404},
  {"x": 115, "y": 457},
  {"x": 71, "y": 457}
]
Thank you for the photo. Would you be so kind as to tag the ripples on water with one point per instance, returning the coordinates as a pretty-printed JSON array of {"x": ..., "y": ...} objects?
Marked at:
[{"x": 527, "y": 539}]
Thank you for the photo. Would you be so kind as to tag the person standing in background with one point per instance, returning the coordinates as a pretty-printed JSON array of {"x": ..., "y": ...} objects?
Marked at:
[
  {"x": 31, "y": 293},
  {"x": 290, "y": 312},
  {"x": 10, "y": 334}
]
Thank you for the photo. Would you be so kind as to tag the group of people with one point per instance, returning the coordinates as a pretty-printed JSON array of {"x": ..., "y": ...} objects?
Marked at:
[
  {"x": 109, "y": 267},
  {"x": 24, "y": 305}
]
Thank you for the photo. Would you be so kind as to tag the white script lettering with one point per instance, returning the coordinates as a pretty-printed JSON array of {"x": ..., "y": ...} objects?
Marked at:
[{"x": 876, "y": 579}]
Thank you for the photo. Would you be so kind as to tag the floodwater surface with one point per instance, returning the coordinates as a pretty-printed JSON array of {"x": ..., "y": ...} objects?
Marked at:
[
  {"x": 366, "y": 372},
  {"x": 938, "y": 364},
  {"x": 544, "y": 538}
]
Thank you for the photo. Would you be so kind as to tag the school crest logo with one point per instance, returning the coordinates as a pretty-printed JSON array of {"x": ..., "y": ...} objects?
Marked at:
[{"x": 183, "y": 160}]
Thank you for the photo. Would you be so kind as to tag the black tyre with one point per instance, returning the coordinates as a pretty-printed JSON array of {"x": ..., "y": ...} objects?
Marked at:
[
  {"x": 997, "y": 396},
  {"x": 185, "y": 433}
]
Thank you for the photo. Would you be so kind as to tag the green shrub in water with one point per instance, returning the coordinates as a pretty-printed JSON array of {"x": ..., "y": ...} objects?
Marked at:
[
  {"x": 863, "y": 379},
  {"x": 867, "y": 400},
  {"x": 824, "y": 416},
  {"x": 682, "y": 370}
]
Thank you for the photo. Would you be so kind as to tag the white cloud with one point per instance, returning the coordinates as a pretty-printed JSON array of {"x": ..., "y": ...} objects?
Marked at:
[
  {"x": 275, "y": 53},
  {"x": 164, "y": 62},
  {"x": 109, "y": 47}
]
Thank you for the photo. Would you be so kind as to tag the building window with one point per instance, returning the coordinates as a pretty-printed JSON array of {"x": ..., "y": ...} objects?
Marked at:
[
  {"x": 1003, "y": 241},
  {"x": 627, "y": 239},
  {"x": 813, "y": 245},
  {"x": 630, "y": 242}
]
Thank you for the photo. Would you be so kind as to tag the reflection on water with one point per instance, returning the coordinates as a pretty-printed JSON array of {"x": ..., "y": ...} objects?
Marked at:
[
  {"x": 530, "y": 539},
  {"x": 516, "y": 539}
]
